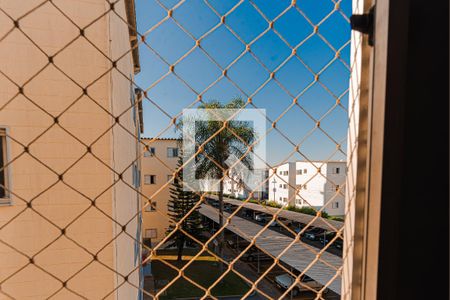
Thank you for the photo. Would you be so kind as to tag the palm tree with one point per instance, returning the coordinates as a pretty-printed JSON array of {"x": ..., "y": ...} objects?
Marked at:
[
  {"x": 219, "y": 144},
  {"x": 179, "y": 206}
]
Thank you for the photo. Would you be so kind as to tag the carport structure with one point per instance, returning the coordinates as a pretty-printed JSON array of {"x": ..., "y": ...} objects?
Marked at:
[
  {"x": 329, "y": 225},
  {"x": 324, "y": 267}
]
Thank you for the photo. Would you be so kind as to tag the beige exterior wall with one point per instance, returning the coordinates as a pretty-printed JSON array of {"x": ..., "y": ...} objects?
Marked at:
[
  {"x": 53, "y": 151},
  {"x": 161, "y": 166}
]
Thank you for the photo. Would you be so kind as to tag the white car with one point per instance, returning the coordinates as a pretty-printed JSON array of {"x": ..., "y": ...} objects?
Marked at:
[
  {"x": 263, "y": 218},
  {"x": 285, "y": 281}
]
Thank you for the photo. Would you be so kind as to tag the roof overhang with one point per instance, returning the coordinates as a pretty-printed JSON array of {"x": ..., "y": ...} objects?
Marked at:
[{"x": 132, "y": 29}]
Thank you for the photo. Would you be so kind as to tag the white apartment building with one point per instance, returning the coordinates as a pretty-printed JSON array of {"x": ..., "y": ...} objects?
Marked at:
[
  {"x": 281, "y": 185},
  {"x": 235, "y": 187},
  {"x": 315, "y": 184}
]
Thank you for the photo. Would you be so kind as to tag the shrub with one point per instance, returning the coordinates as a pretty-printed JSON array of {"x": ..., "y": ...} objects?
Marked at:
[
  {"x": 306, "y": 210},
  {"x": 273, "y": 204}
]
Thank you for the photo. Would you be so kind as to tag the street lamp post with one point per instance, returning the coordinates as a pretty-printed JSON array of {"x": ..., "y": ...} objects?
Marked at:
[{"x": 274, "y": 188}]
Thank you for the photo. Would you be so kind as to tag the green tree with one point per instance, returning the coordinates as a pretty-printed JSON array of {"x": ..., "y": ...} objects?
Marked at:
[
  {"x": 221, "y": 140},
  {"x": 180, "y": 204}
]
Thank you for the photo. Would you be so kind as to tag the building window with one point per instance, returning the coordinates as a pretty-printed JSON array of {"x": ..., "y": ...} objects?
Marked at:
[
  {"x": 337, "y": 187},
  {"x": 284, "y": 199},
  {"x": 335, "y": 205},
  {"x": 4, "y": 195},
  {"x": 172, "y": 152},
  {"x": 305, "y": 171},
  {"x": 281, "y": 199},
  {"x": 151, "y": 233},
  {"x": 337, "y": 170},
  {"x": 286, "y": 173},
  {"x": 305, "y": 187},
  {"x": 298, "y": 201},
  {"x": 149, "y": 179},
  {"x": 298, "y": 186},
  {"x": 299, "y": 172},
  {"x": 284, "y": 186},
  {"x": 150, "y": 152},
  {"x": 281, "y": 186},
  {"x": 151, "y": 206},
  {"x": 281, "y": 172}
]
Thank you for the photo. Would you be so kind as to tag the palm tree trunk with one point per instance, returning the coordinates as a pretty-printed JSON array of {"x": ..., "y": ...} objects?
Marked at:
[{"x": 222, "y": 233}]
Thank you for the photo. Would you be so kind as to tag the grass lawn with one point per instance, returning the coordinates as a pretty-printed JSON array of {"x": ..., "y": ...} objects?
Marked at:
[{"x": 202, "y": 272}]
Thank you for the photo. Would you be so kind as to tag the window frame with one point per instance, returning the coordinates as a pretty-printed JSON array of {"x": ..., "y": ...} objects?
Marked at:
[
  {"x": 387, "y": 151},
  {"x": 171, "y": 150},
  {"x": 150, "y": 208},
  {"x": 370, "y": 73},
  {"x": 150, "y": 181},
  {"x": 150, "y": 152},
  {"x": 149, "y": 229},
  {"x": 7, "y": 199}
]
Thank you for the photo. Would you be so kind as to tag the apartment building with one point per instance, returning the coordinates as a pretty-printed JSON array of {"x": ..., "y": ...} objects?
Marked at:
[
  {"x": 64, "y": 208},
  {"x": 158, "y": 164},
  {"x": 282, "y": 184},
  {"x": 302, "y": 184},
  {"x": 235, "y": 187}
]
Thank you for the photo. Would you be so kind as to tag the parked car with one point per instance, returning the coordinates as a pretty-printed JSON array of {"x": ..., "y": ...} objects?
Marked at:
[
  {"x": 215, "y": 204},
  {"x": 241, "y": 243},
  {"x": 228, "y": 207},
  {"x": 285, "y": 221},
  {"x": 274, "y": 224},
  {"x": 262, "y": 218},
  {"x": 314, "y": 233},
  {"x": 325, "y": 239},
  {"x": 231, "y": 243},
  {"x": 298, "y": 229},
  {"x": 284, "y": 281},
  {"x": 339, "y": 244},
  {"x": 247, "y": 212}
]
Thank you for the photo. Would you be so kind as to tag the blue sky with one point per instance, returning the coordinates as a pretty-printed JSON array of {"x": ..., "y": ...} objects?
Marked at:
[{"x": 171, "y": 43}]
